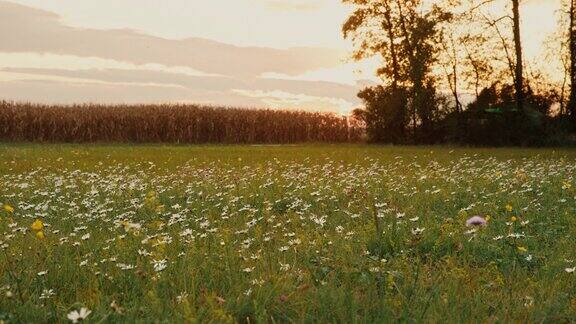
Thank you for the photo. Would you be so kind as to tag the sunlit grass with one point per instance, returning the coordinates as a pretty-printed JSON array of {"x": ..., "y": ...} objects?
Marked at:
[{"x": 286, "y": 233}]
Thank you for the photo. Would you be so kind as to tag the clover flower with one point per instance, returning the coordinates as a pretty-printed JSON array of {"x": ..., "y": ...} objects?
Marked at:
[{"x": 476, "y": 221}]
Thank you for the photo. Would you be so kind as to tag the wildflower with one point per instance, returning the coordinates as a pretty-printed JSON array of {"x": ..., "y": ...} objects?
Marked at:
[
  {"x": 509, "y": 208},
  {"x": 76, "y": 316},
  {"x": 417, "y": 231},
  {"x": 47, "y": 293},
  {"x": 8, "y": 208},
  {"x": 476, "y": 221},
  {"x": 528, "y": 301},
  {"x": 180, "y": 298},
  {"x": 513, "y": 219},
  {"x": 159, "y": 265},
  {"x": 516, "y": 235},
  {"x": 37, "y": 225},
  {"x": 40, "y": 235},
  {"x": 124, "y": 266},
  {"x": 522, "y": 249},
  {"x": 143, "y": 252}
]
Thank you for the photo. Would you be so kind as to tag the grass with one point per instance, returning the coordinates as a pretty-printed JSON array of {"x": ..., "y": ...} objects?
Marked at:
[{"x": 313, "y": 233}]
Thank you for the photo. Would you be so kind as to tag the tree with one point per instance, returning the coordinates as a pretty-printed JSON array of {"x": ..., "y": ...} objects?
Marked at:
[
  {"x": 384, "y": 115},
  {"x": 518, "y": 70},
  {"x": 477, "y": 68},
  {"x": 404, "y": 33},
  {"x": 572, "y": 61},
  {"x": 514, "y": 58}
]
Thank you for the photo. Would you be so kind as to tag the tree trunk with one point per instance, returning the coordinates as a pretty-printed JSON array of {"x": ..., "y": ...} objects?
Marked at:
[
  {"x": 572, "y": 43},
  {"x": 393, "y": 52},
  {"x": 518, "y": 71},
  {"x": 455, "y": 72}
]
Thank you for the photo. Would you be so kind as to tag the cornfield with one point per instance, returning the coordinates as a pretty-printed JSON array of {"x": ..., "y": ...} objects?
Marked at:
[{"x": 170, "y": 123}]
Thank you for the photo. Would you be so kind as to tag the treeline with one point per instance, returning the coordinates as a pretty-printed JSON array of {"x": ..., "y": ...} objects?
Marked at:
[
  {"x": 170, "y": 124},
  {"x": 454, "y": 71}
]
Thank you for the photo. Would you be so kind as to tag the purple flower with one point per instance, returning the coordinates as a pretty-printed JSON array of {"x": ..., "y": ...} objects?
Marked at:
[{"x": 476, "y": 221}]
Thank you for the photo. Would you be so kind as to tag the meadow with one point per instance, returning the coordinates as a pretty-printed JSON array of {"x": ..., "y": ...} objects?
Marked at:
[{"x": 303, "y": 233}]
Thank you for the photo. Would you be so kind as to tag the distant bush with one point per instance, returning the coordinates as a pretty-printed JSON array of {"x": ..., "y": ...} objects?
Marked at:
[
  {"x": 492, "y": 119},
  {"x": 169, "y": 123}
]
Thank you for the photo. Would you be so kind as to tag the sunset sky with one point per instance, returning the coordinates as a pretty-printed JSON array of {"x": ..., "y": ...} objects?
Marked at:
[{"x": 271, "y": 53}]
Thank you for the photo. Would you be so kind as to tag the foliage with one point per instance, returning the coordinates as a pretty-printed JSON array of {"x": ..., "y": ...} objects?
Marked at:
[
  {"x": 385, "y": 115},
  {"x": 431, "y": 48},
  {"x": 493, "y": 119},
  {"x": 404, "y": 34}
]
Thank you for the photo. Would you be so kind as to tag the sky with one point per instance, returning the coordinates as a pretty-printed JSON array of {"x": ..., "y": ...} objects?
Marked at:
[{"x": 286, "y": 54}]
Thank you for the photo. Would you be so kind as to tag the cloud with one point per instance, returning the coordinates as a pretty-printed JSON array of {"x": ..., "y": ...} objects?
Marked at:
[
  {"x": 72, "y": 92},
  {"x": 44, "y": 60},
  {"x": 286, "y": 100},
  {"x": 25, "y": 29},
  {"x": 63, "y": 92},
  {"x": 177, "y": 87},
  {"x": 293, "y": 5}
]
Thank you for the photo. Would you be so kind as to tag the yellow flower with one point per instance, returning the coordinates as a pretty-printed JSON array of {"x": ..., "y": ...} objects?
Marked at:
[
  {"x": 488, "y": 217},
  {"x": 522, "y": 249},
  {"x": 513, "y": 219},
  {"x": 40, "y": 235},
  {"x": 9, "y": 208},
  {"x": 509, "y": 208},
  {"x": 37, "y": 226}
]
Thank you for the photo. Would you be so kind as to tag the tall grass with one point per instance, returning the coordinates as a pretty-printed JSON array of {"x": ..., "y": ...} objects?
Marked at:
[{"x": 169, "y": 123}]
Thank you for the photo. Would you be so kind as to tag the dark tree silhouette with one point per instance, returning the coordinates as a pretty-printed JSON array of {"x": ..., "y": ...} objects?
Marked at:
[
  {"x": 432, "y": 51},
  {"x": 405, "y": 35},
  {"x": 572, "y": 46},
  {"x": 518, "y": 70}
]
